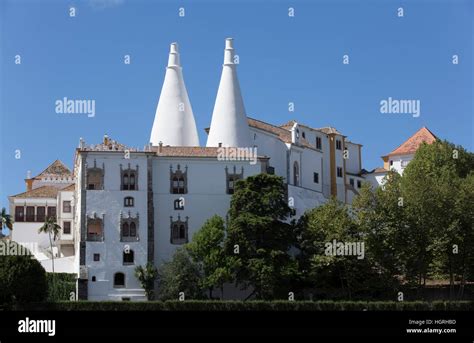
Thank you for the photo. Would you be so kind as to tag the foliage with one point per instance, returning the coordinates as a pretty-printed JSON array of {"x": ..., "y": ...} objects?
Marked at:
[
  {"x": 63, "y": 286},
  {"x": 260, "y": 239},
  {"x": 147, "y": 276},
  {"x": 22, "y": 278},
  {"x": 180, "y": 276}
]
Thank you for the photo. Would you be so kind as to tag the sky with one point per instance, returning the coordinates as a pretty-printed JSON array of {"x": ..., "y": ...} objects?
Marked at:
[{"x": 283, "y": 59}]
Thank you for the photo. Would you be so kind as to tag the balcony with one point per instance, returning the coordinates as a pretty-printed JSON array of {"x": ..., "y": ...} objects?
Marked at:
[{"x": 95, "y": 237}]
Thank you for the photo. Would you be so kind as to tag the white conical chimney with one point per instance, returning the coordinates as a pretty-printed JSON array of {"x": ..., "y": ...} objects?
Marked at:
[
  {"x": 229, "y": 125},
  {"x": 174, "y": 120}
]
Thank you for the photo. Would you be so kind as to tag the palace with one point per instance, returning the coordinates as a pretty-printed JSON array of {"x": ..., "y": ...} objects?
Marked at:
[{"x": 121, "y": 207}]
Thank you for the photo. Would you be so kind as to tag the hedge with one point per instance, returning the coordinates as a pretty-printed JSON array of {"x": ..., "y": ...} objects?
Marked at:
[
  {"x": 64, "y": 285},
  {"x": 196, "y": 305}
]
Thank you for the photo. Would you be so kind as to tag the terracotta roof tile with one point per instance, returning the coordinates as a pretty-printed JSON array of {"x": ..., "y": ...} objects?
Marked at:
[
  {"x": 185, "y": 151},
  {"x": 413, "y": 143},
  {"x": 57, "y": 168},
  {"x": 40, "y": 192},
  {"x": 69, "y": 188}
]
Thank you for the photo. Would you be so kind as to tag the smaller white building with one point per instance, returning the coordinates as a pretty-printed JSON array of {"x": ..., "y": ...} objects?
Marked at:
[{"x": 399, "y": 158}]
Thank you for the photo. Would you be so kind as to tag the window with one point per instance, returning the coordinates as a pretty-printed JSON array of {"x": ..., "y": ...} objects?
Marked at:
[
  {"x": 338, "y": 144},
  {"x": 40, "y": 214},
  {"x": 119, "y": 280},
  {"x": 95, "y": 229},
  {"x": 128, "y": 257},
  {"x": 129, "y": 178},
  {"x": 179, "y": 204},
  {"x": 67, "y": 228},
  {"x": 318, "y": 143},
  {"x": 316, "y": 177},
  {"x": 179, "y": 231},
  {"x": 96, "y": 257},
  {"x": 339, "y": 172},
  {"x": 95, "y": 177},
  {"x": 66, "y": 206},
  {"x": 52, "y": 211},
  {"x": 351, "y": 181},
  {"x": 232, "y": 178},
  {"x": 391, "y": 162},
  {"x": 359, "y": 184},
  {"x": 129, "y": 229},
  {"x": 178, "y": 181},
  {"x": 93, "y": 279},
  {"x": 296, "y": 174},
  {"x": 30, "y": 213},
  {"x": 303, "y": 134},
  {"x": 128, "y": 202},
  {"x": 19, "y": 214}
]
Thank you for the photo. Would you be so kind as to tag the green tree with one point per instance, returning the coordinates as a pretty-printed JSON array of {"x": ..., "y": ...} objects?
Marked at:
[
  {"x": 50, "y": 227},
  {"x": 22, "y": 278},
  {"x": 259, "y": 237},
  {"x": 7, "y": 221},
  {"x": 179, "y": 275},
  {"x": 207, "y": 249},
  {"x": 431, "y": 187},
  {"x": 147, "y": 276},
  {"x": 324, "y": 228}
]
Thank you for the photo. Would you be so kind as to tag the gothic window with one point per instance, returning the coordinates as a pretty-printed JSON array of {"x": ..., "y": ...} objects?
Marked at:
[
  {"x": 178, "y": 180},
  {"x": 296, "y": 174},
  {"x": 95, "y": 177},
  {"x": 129, "y": 178},
  {"x": 119, "y": 280},
  {"x": 128, "y": 257},
  {"x": 95, "y": 228},
  {"x": 129, "y": 228},
  {"x": 179, "y": 231},
  {"x": 128, "y": 202},
  {"x": 232, "y": 178}
]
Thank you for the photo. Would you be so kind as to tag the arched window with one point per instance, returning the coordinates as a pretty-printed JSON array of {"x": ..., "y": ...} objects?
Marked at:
[
  {"x": 128, "y": 257},
  {"x": 182, "y": 232},
  {"x": 296, "y": 174},
  {"x": 178, "y": 180},
  {"x": 125, "y": 230},
  {"x": 132, "y": 182},
  {"x": 125, "y": 181},
  {"x": 119, "y": 280},
  {"x": 133, "y": 229}
]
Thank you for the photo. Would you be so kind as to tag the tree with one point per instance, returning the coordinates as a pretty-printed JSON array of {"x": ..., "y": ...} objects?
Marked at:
[
  {"x": 179, "y": 277},
  {"x": 51, "y": 228},
  {"x": 147, "y": 276},
  {"x": 431, "y": 186},
  {"x": 22, "y": 278},
  {"x": 326, "y": 263},
  {"x": 7, "y": 221},
  {"x": 207, "y": 250},
  {"x": 259, "y": 237}
]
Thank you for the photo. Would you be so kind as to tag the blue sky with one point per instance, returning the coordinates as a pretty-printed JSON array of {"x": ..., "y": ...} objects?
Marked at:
[{"x": 282, "y": 59}]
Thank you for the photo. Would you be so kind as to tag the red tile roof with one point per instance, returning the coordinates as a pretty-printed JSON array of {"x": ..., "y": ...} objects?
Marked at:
[
  {"x": 413, "y": 143},
  {"x": 57, "y": 168}
]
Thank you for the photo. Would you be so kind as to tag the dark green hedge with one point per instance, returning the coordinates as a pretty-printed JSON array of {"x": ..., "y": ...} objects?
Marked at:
[
  {"x": 196, "y": 305},
  {"x": 64, "y": 285}
]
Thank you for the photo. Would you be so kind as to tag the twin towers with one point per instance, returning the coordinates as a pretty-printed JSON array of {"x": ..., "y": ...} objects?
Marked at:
[{"x": 174, "y": 123}]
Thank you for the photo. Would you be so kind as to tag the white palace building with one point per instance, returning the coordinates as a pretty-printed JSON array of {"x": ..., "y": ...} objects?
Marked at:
[{"x": 121, "y": 207}]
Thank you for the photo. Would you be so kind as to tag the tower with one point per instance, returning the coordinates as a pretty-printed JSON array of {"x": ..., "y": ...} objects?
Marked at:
[
  {"x": 174, "y": 122},
  {"x": 229, "y": 124}
]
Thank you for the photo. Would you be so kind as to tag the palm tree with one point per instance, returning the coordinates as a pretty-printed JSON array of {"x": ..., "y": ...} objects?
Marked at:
[
  {"x": 7, "y": 221},
  {"x": 51, "y": 227}
]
